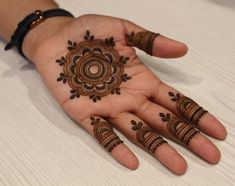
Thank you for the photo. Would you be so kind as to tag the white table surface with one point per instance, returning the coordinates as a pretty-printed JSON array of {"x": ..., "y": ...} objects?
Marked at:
[{"x": 40, "y": 145}]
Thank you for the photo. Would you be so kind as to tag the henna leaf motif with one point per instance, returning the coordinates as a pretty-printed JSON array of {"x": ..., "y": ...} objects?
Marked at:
[
  {"x": 71, "y": 45},
  {"x": 165, "y": 117},
  {"x": 175, "y": 97},
  {"x": 61, "y": 61},
  {"x": 110, "y": 41},
  {"x": 125, "y": 77},
  {"x": 62, "y": 78},
  {"x": 88, "y": 36}
]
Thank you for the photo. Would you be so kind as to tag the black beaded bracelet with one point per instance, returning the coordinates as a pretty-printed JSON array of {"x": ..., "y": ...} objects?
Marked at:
[{"x": 30, "y": 22}]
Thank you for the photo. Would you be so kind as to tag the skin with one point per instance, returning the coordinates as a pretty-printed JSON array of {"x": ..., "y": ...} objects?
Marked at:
[{"x": 142, "y": 98}]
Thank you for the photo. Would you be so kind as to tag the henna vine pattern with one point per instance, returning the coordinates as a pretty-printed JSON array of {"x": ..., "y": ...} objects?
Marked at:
[
  {"x": 187, "y": 108},
  {"x": 93, "y": 68},
  {"x": 147, "y": 137},
  {"x": 105, "y": 134},
  {"x": 179, "y": 128},
  {"x": 143, "y": 40}
]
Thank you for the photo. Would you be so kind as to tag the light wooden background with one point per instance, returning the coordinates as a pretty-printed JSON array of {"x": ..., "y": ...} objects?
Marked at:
[{"x": 40, "y": 145}]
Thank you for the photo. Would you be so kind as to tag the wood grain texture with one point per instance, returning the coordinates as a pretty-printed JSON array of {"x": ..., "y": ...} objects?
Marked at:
[{"x": 40, "y": 145}]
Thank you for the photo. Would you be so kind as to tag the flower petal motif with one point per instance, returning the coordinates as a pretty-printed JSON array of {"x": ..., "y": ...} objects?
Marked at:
[{"x": 94, "y": 68}]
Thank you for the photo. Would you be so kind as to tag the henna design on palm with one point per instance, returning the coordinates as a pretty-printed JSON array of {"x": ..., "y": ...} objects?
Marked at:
[{"x": 93, "y": 68}]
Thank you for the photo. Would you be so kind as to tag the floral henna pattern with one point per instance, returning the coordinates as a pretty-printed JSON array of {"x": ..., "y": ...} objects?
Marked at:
[
  {"x": 143, "y": 40},
  {"x": 187, "y": 108},
  {"x": 93, "y": 68},
  {"x": 147, "y": 137},
  {"x": 105, "y": 134},
  {"x": 180, "y": 129}
]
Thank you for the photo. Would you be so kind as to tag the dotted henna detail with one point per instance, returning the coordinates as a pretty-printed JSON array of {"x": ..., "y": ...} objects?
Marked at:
[
  {"x": 93, "y": 68},
  {"x": 187, "y": 108},
  {"x": 147, "y": 137},
  {"x": 143, "y": 40},
  {"x": 105, "y": 134},
  {"x": 180, "y": 129}
]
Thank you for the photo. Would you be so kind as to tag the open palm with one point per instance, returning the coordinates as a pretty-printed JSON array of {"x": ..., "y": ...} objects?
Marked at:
[{"x": 129, "y": 97}]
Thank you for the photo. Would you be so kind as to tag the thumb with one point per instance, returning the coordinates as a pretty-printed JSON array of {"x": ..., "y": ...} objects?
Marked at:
[{"x": 152, "y": 43}]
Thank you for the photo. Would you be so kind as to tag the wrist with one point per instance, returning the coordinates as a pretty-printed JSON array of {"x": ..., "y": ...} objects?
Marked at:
[{"x": 35, "y": 37}]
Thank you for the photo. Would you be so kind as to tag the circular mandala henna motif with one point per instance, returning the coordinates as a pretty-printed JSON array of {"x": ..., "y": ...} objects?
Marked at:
[{"x": 93, "y": 68}]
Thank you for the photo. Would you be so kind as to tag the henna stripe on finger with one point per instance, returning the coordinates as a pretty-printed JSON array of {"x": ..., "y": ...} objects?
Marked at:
[
  {"x": 143, "y": 40},
  {"x": 146, "y": 137},
  {"x": 104, "y": 134},
  {"x": 93, "y": 68},
  {"x": 179, "y": 128},
  {"x": 187, "y": 108}
]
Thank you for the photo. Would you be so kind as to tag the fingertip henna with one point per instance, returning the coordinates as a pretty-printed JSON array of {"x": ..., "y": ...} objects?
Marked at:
[
  {"x": 183, "y": 131},
  {"x": 104, "y": 133},
  {"x": 187, "y": 108},
  {"x": 93, "y": 68},
  {"x": 143, "y": 40},
  {"x": 190, "y": 109},
  {"x": 146, "y": 137}
]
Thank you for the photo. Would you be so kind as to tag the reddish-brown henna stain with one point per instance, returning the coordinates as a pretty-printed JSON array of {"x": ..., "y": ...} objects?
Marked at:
[
  {"x": 93, "y": 68},
  {"x": 187, "y": 108},
  {"x": 143, "y": 40},
  {"x": 105, "y": 134},
  {"x": 179, "y": 128},
  {"x": 146, "y": 137}
]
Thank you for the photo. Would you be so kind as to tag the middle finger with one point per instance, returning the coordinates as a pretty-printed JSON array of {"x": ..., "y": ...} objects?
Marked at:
[{"x": 141, "y": 134}]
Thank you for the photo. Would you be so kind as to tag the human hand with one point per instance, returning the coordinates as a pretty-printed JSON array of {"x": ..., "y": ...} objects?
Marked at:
[{"x": 91, "y": 69}]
